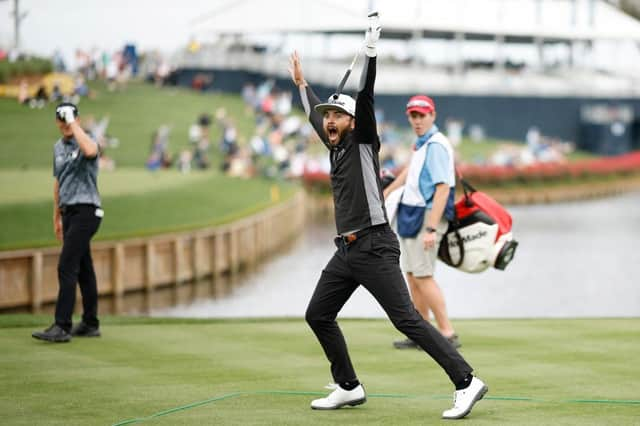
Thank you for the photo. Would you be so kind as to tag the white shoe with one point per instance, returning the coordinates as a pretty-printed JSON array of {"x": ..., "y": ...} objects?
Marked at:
[
  {"x": 339, "y": 398},
  {"x": 464, "y": 399}
]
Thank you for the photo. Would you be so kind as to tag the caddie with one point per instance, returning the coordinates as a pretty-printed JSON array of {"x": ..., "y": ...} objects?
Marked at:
[{"x": 425, "y": 208}]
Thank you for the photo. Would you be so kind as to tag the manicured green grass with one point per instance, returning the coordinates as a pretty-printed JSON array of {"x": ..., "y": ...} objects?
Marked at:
[
  {"x": 136, "y": 203},
  {"x": 470, "y": 151},
  {"x": 28, "y": 135},
  {"x": 257, "y": 372},
  {"x": 26, "y": 186}
]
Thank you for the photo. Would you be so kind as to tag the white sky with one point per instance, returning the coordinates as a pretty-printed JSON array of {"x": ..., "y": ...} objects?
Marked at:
[
  {"x": 107, "y": 24},
  {"x": 169, "y": 24}
]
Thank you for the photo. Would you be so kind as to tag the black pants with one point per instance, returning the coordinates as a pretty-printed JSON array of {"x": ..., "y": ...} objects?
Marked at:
[
  {"x": 79, "y": 224},
  {"x": 372, "y": 261}
]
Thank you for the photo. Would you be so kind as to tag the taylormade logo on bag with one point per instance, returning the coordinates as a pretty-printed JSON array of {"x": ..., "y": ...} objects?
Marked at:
[{"x": 453, "y": 242}]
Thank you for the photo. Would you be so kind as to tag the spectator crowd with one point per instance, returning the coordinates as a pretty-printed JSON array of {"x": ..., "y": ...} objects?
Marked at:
[{"x": 282, "y": 143}]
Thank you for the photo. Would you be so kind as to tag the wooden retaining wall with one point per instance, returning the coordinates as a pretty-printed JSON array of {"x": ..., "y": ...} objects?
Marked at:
[{"x": 158, "y": 264}]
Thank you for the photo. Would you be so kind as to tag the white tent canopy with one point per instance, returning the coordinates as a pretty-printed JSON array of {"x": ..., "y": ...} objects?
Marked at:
[{"x": 531, "y": 19}]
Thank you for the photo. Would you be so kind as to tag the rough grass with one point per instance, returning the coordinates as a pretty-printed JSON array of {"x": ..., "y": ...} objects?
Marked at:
[{"x": 256, "y": 372}]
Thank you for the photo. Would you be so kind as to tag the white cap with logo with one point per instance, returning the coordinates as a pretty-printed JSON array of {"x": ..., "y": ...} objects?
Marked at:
[{"x": 342, "y": 102}]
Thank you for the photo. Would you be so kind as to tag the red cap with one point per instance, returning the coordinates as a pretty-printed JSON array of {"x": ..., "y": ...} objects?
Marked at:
[{"x": 420, "y": 103}]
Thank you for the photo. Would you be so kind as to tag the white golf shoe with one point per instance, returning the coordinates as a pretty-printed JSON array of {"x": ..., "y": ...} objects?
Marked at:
[
  {"x": 464, "y": 399},
  {"x": 339, "y": 398}
]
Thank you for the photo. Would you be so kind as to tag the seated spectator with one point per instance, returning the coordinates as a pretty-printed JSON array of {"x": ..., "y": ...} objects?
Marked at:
[
  {"x": 159, "y": 156},
  {"x": 229, "y": 142},
  {"x": 240, "y": 165},
  {"x": 40, "y": 99},
  {"x": 56, "y": 94},
  {"x": 81, "y": 89},
  {"x": 23, "y": 92},
  {"x": 195, "y": 133},
  {"x": 105, "y": 163},
  {"x": 204, "y": 121},
  {"x": 201, "y": 154},
  {"x": 259, "y": 145},
  {"x": 98, "y": 132},
  {"x": 184, "y": 161}
]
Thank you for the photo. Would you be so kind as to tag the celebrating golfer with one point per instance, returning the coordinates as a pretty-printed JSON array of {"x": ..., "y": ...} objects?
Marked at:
[
  {"x": 367, "y": 249},
  {"x": 76, "y": 218}
]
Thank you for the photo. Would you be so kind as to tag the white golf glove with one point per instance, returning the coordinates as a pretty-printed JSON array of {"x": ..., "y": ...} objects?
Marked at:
[
  {"x": 66, "y": 112},
  {"x": 372, "y": 35}
]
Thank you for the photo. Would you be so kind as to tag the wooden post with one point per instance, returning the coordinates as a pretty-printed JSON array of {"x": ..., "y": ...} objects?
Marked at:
[
  {"x": 253, "y": 249},
  {"x": 267, "y": 234},
  {"x": 215, "y": 265},
  {"x": 234, "y": 254},
  {"x": 195, "y": 266},
  {"x": 177, "y": 264},
  {"x": 195, "y": 256},
  {"x": 36, "y": 282},
  {"x": 117, "y": 273},
  {"x": 258, "y": 240},
  {"x": 148, "y": 275},
  {"x": 261, "y": 241}
]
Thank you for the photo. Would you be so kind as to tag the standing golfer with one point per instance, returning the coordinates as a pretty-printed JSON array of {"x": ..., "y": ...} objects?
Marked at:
[
  {"x": 76, "y": 218},
  {"x": 428, "y": 191},
  {"x": 368, "y": 250}
]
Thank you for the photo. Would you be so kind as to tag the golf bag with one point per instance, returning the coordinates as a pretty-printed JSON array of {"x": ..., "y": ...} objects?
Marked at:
[{"x": 484, "y": 228}]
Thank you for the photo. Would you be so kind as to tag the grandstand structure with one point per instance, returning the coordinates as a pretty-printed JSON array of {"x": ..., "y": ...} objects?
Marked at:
[{"x": 567, "y": 67}]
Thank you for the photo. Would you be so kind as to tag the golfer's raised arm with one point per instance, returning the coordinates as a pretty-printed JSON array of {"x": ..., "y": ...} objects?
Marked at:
[
  {"x": 307, "y": 96},
  {"x": 309, "y": 101},
  {"x": 365, "y": 112}
]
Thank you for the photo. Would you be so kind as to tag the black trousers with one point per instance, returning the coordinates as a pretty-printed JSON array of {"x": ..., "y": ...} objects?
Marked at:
[
  {"x": 372, "y": 261},
  {"x": 79, "y": 224}
]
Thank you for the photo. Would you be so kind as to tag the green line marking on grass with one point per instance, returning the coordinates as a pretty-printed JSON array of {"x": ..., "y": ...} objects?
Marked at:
[
  {"x": 381, "y": 395},
  {"x": 182, "y": 408},
  {"x": 604, "y": 401}
]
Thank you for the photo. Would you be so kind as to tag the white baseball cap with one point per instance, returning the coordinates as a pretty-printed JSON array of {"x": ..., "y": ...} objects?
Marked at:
[{"x": 342, "y": 102}]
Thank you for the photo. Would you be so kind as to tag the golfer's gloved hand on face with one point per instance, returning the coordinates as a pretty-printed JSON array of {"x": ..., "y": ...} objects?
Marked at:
[
  {"x": 372, "y": 35},
  {"x": 66, "y": 112}
]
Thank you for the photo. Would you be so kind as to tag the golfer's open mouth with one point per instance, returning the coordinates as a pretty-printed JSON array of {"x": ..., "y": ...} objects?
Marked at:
[{"x": 332, "y": 132}]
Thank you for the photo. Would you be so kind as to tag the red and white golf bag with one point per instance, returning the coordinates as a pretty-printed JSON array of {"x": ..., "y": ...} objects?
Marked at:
[{"x": 484, "y": 227}]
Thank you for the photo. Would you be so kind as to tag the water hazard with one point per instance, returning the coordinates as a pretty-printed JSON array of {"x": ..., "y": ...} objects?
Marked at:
[{"x": 577, "y": 259}]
